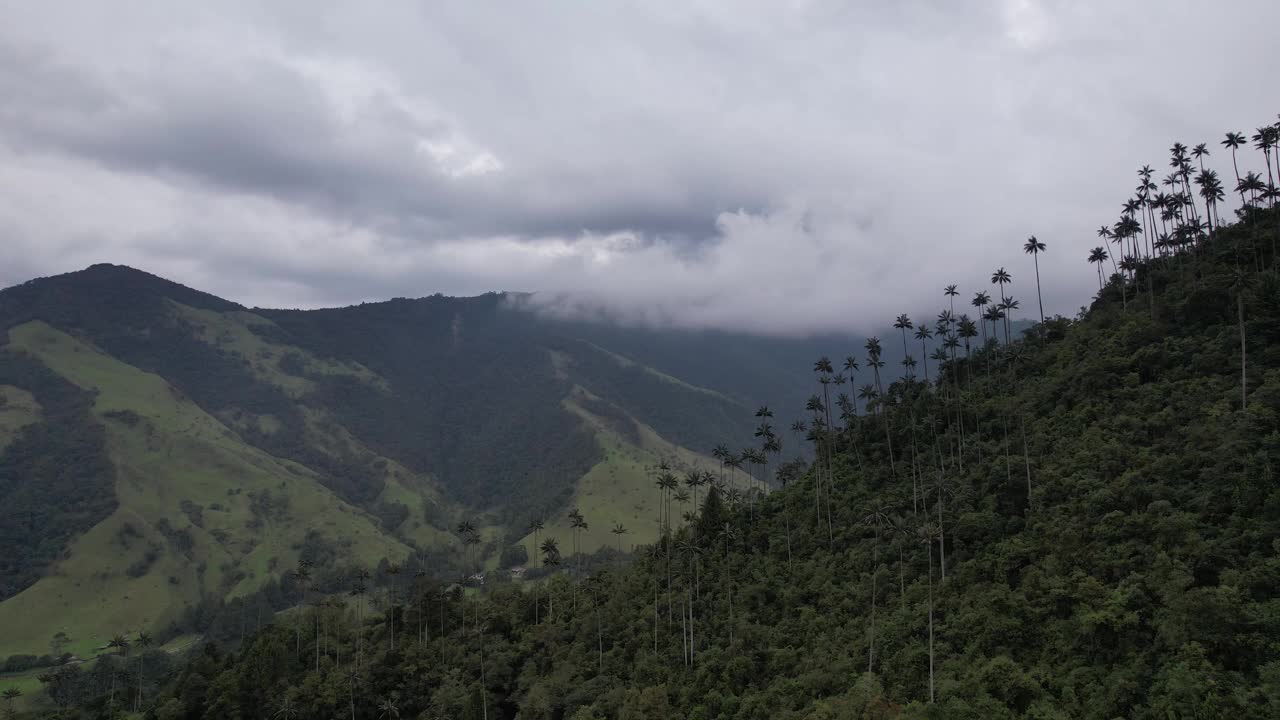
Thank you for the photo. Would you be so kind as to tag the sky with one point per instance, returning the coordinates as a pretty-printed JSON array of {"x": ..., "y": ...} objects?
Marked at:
[{"x": 774, "y": 166}]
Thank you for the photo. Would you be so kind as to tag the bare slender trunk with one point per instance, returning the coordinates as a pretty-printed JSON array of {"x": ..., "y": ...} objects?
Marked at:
[{"x": 1244, "y": 378}]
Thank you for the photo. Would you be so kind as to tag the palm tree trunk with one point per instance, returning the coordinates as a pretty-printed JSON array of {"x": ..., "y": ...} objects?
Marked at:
[
  {"x": 1244, "y": 378},
  {"x": 875, "y": 567},
  {"x": 930, "y": 560},
  {"x": 1036, "y": 256},
  {"x": 1026, "y": 459},
  {"x": 942, "y": 539}
]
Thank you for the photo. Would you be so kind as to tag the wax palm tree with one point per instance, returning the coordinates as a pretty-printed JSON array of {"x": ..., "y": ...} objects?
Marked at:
[
  {"x": 550, "y": 556},
  {"x": 1235, "y": 140},
  {"x": 120, "y": 644},
  {"x": 388, "y": 710},
  {"x": 618, "y": 531},
  {"x": 923, "y": 333},
  {"x": 1008, "y": 306},
  {"x": 727, "y": 536},
  {"x": 301, "y": 578},
  {"x": 143, "y": 641},
  {"x": 951, "y": 293},
  {"x": 286, "y": 709},
  {"x": 1200, "y": 152},
  {"x": 1212, "y": 193},
  {"x": 1034, "y": 247},
  {"x": 9, "y": 695},
  {"x": 536, "y": 527},
  {"x": 926, "y": 534},
  {"x": 850, "y": 366},
  {"x": 1265, "y": 140},
  {"x": 393, "y": 572},
  {"x": 980, "y": 301},
  {"x": 465, "y": 530},
  {"x": 877, "y": 519},
  {"x": 692, "y": 480},
  {"x": 1252, "y": 184},
  {"x": 903, "y": 323},
  {"x": 1098, "y": 256},
  {"x": 1001, "y": 277}
]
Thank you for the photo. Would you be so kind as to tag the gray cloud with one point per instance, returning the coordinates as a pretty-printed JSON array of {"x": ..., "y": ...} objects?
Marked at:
[{"x": 783, "y": 167}]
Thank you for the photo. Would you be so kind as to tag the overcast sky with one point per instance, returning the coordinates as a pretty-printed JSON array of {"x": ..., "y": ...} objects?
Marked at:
[{"x": 781, "y": 166}]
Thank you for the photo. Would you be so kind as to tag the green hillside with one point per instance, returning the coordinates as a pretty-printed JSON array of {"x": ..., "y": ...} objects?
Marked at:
[
  {"x": 1083, "y": 522},
  {"x": 164, "y": 452}
]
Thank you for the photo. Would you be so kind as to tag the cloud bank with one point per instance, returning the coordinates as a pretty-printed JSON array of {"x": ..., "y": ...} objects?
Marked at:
[{"x": 779, "y": 167}]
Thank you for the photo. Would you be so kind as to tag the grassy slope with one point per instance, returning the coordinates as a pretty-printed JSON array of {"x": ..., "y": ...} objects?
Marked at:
[
  {"x": 232, "y": 332},
  {"x": 618, "y": 489},
  {"x": 177, "y": 452},
  {"x": 17, "y": 410}
]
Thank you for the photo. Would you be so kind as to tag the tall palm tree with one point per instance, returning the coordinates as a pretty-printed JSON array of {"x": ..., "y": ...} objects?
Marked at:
[
  {"x": 550, "y": 556},
  {"x": 9, "y": 695},
  {"x": 923, "y": 333},
  {"x": 1098, "y": 256},
  {"x": 951, "y": 293},
  {"x": 1235, "y": 140},
  {"x": 1211, "y": 191},
  {"x": 1008, "y": 306},
  {"x": 980, "y": 301},
  {"x": 1252, "y": 184},
  {"x": 143, "y": 641},
  {"x": 877, "y": 519},
  {"x": 926, "y": 534},
  {"x": 903, "y": 323},
  {"x": 618, "y": 531},
  {"x": 1001, "y": 277},
  {"x": 120, "y": 644},
  {"x": 286, "y": 710},
  {"x": 388, "y": 710},
  {"x": 1034, "y": 247},
  {"x": 1200, "y": 152},
  {"x": 727, "y": 535},
  {"x": 393, "y": 573},
  {"x": 1265, "y": 140}
]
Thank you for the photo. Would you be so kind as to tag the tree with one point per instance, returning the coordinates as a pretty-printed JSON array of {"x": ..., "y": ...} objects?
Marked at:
[
  {"x": 388, "y": 710},
  {"x": 923, "y": 333},
  {"x": 903, "y": 323},
  {"x": 980, "y": 301},
  {"x": 286, "y": 710},
  {"x": 1098, "y": 256},
  {"x": 1235, "y": 140},
  {"x": 877, "y": 519},
  {"x": 951, "y": 292},
  {"x": 1265, "y": 140},
  {"x": 143, "y": 641},
  {"x": 550, "y": 556},
  {"x": 393, "y": 572},
  {"x": 1001, "y": 277},
  {"x": 1034, "y": 247},
  {"x": 618, "y": 531},
  {"x": 120, "y": 644},
  {"x": 1211, "y": 191},
  {"x": 9, "y": 695},
  {"x": 926, "y": 533},
  {"x": 536, "y": 527}
]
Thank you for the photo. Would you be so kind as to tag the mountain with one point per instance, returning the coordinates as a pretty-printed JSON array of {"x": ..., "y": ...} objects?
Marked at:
[
  {"x": 162, "y": 448},
  {"x": 1083, "y": 523}
]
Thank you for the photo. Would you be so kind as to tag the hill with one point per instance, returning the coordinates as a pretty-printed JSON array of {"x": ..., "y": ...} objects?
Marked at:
[
  {"x": 164, "y": 451},
  {"x": 1082, "y": 523}
]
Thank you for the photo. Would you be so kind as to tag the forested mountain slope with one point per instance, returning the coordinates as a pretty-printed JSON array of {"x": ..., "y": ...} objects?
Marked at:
[
  {"x": 1082, "y": 523},
  {"x": 162, "y": 449}
]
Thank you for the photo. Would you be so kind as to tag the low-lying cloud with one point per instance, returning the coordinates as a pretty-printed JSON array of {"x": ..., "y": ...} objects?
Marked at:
[{"x": 783, "y": 168}]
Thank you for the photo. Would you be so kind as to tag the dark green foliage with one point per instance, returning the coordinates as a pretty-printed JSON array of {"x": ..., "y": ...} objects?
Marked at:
[
  {"x": 513, "y": 555},
  {"x": 55, "y": 478}
]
